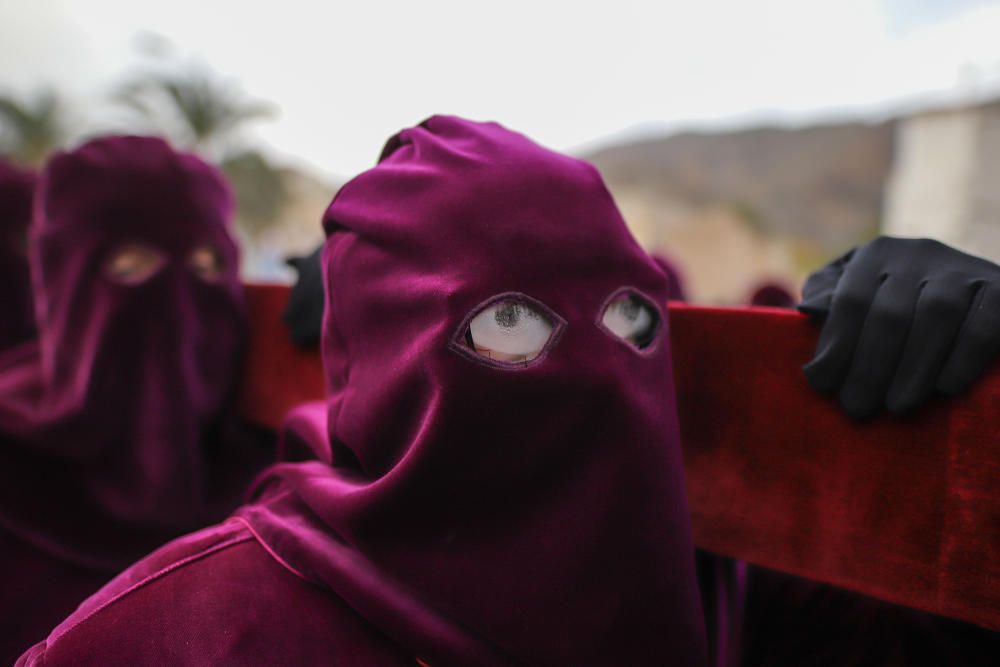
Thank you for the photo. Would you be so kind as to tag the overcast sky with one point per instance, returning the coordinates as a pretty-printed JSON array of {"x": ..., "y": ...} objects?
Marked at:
[{"x": 347, "y": 75}]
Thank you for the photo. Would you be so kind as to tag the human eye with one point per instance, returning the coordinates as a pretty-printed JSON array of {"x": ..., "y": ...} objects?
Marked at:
[
  {"x": 632, "y": 319},
  {"x": 509, "y": 331}
]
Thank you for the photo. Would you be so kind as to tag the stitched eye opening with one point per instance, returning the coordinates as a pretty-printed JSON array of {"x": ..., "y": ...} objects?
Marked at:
[
  {"x": 133, "y": 263},
  {"x": 508, "y": 331},
  {"x": 631, "y": 318},
  {"x": 206, "y": 263}
]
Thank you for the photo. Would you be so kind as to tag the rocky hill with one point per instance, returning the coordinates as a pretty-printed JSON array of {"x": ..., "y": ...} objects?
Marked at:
[{"x": 743, "y": 206}]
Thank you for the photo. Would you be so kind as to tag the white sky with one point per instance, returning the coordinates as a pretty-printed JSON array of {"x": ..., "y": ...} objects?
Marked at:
[{"x": 347, "y": 75}]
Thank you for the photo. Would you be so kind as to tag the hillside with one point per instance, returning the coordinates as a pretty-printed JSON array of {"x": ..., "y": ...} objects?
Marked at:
[{"x": 770, "y": 202}]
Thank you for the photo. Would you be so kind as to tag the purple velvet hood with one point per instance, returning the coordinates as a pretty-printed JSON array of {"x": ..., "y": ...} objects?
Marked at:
[
  {"x": 479, "y": 514},
  {"x": 17, "y": 322},
  {"x": 112, "y": 422}
]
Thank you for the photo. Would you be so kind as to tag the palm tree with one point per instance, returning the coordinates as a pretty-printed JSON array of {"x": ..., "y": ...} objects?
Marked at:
[
  {"x": 192, "y": 108},
  {"x": 31, "y": 128},
  {"x": 261, "y": 192},
  {"x": 205, "y": 114}
]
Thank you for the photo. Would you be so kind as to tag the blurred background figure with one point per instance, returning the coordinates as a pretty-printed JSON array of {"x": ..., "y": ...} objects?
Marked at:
[
  {"x": 304, "y": 313},
  {"x": 16, "y": 188},
  {"x": 773, "y": 295},
  {"x": 118, "y": 425}
]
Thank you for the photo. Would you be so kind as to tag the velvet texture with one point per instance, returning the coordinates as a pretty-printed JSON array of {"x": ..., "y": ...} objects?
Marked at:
[
  {"x": 16, "y": 189},
  {"x": 901, "y": 509},
  {"x": 478, "y": 515},
  {"x": 281, "y": 376},
  {"x": 761, "y": 486},
  {"x": 118, "y": 428},
  {"x": 214, "y": 597},
  {"x": 759, "y": 491}
]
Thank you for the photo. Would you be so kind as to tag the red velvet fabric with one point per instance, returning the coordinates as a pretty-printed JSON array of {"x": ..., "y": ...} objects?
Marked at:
[
  {"x": 902, "y": 509},
  {"x": 279, "y": 375},
  {"x": 214, "y": 597}
]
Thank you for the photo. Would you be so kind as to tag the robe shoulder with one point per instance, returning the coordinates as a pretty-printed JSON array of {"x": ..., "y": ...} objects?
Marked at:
[{"x": 210, "y": 598}]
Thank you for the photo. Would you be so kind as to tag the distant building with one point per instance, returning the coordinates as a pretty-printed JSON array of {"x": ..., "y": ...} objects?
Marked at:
[{"x": 945, "y": 181}]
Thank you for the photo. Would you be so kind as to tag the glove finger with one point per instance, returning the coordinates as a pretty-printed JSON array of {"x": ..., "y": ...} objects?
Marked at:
[
  {"x": 818, "y": 307},
  {"x": 839, "y": 335},
  {"x": 824, "y": 281},
  {"x": 941, "y": 308},
  {"x": 977, "y": 343},
  {"x": 879, "y": 348}
]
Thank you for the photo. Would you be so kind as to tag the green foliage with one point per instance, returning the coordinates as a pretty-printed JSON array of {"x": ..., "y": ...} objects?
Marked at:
[
  {"x": 751, "y": 216},
  {"x": 261, "y": 192},
  {"x": 206, "y": 114},
  {"x": 192, "y": 108},
  {"x": 31, "y": 128}
]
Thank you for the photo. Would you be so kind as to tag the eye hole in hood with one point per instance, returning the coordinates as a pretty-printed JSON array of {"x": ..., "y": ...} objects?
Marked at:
[
  {"x": 206, "y": 262},
  {"x": 510, "y": 331},
  {"x": 631, "y": 318},
  {"x": 133, "y": 263}
]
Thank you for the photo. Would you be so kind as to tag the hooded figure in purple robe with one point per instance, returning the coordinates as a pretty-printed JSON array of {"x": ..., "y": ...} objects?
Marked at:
[
  {"x": 118, "y": 428},
  {"x": 496, "y": 476},
  {"x": 18, "y": 321}
]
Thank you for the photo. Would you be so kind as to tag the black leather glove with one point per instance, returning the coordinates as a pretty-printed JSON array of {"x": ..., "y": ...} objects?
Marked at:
[
  {"x": 902, "y": 318},
  {"x": 304, "y": 313}
]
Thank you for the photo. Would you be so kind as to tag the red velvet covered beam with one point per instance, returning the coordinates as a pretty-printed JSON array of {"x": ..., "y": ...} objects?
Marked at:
[
  {"x": 907, "y": 510},
  {"x": 279, "y": 375},
  {"x": 904, "y": 509}
]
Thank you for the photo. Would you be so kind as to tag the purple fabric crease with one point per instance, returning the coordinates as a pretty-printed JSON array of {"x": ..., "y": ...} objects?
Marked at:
[
  {"x": 118, "y": 425},
  {"x": 16, "y": 189}
]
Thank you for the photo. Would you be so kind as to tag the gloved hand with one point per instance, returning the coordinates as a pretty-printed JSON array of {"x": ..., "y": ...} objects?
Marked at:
[
  {"x": 304, "y": 313},
  {"x": 902, "y": 318}
]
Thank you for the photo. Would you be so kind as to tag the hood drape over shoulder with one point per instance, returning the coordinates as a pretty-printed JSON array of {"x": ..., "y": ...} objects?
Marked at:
[{"x": 488, "y": 510}]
